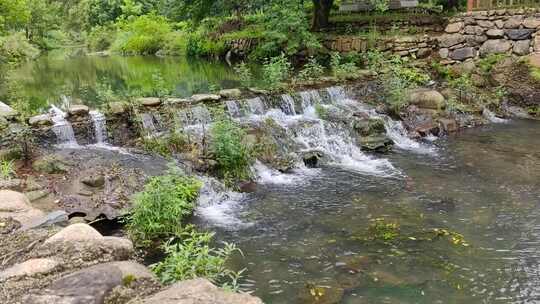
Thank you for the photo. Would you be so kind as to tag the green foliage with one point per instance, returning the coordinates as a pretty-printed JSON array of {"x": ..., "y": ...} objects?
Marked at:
[
  {"x": 167, "y": 144},
  {"x": 535, "y": 73},
  {"x": 321, "y": 111},
  {"x": 7, "y": 170},
  {"x": 160, "y": 210},
  {"x": 244, "y": 74},
  {"x": 276, "y": 71},
  {"x": 380, "y": 6},
  {"x": 192, "y": 257},
  {"x": 16, "y": 48},
  {"x": 232, "y": 156},
  {"x": 486, "y": 64},
  {"x": 463, "y": 85},
  {"x": 311, "y": 70},
  {"x": 143, "y": 35},
  {"x": 101, "y": 38},
  {"x": 200, "y": 45},
  {"x": 380, "y": 229},
  {"x": 342, "y": 70}
]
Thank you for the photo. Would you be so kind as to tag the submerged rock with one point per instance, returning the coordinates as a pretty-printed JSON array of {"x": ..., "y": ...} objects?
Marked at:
[
  {"x": 376, "y": 143},
  {"x": 199, "y": 291}
]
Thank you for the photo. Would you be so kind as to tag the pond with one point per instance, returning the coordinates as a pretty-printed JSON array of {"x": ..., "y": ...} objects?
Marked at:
[
  {"x": 461, "y": 225},
  {"x": 95, "y": 80}
]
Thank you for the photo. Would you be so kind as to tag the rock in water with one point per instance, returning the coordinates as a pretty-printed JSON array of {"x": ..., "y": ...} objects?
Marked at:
[{"x": 199, "y": 291}]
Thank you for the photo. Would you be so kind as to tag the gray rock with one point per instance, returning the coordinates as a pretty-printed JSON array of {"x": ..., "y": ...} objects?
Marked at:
[
  {"x": 7, "y": 111},
  {"x": 258, "y": 91},
  {"x": 36, "y": 194},
  {"x": 3, "y": 123},
  {"x": 485, "y": 23},
  {"x": 149, "y": 101},
  {"x": 117, "y": 108},
  {"x": 499, "y": 24},
  {"x": 30, "y": 268},
  {"x": 177, "y": 101},
  {"x": 531, "y": 23},
  {"x": 513, "y": 23},
  {"x": 497, "y": 46},
  {"x": 495, "y": 33},
  {"x": 474, "y": 30},
  {"x": 17, "y": 206},
  {"x": 474, "y": 40},
  {"x": 10, "y": 184},
  {"x": 205, "y": 97},
  {"x": 444, "y": 52},
  {"x": 522, "y": 47},
  {"x": 94, "y": 180},
  {"x": 75, "y": 233},
  {"x": 449, "y": 40},
  {"x": 199, "y": 291},
  {"x": 40, "y": 120},
  {"x": 519, "y": 34},
  {"x": 426, "y": 99},
  {"x": 230, "y": 93},
  {"x": 86, "y": 286},
  {"x": 55, "y": 217},
  {"x": 463, "y": 53},
  {"x": 78, "y": 110},
  {"x": 454, "y": 27},
  {"x": 376, "y": 143}
]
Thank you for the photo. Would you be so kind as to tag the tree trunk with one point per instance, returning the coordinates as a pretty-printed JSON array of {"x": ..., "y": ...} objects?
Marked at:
[{"x": 321, "y": 14}]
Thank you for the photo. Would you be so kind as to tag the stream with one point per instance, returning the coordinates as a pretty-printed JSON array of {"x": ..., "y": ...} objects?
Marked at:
[{"x": 479, "y": 192}]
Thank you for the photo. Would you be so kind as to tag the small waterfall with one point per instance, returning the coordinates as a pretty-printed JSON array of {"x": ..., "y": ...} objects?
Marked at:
[
  {"x": 287, "y": 104},
  {"x": 256, "y": 106},
  {"x": 336, "y": 94},
  {"x": 491, "y": 117},
  {"x": 62, "y": 128},
  {"x": 233, "y": 108},
  {"x": 100, "y": 127},
  {"x": 218, "y": 205},
  {"x": 397, "y": 133},
  {"x": 309, "y": 99},
  {"x": 148, "y": 124},
  {"x": 200, "y": 116}
]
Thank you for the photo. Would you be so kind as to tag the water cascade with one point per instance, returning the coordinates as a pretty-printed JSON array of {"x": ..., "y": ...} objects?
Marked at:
[
  {"x": 397, "y": 133},
  {"x": 491, "y": 117},
  {"x": 287, "y": 104},
  {"x": 233, "y": 108},
  {"x": 256, "y": 106},
  {"x": 310, "y": 98},
  {"x": 62, "y": 128},
  {"x": 100, "y": 127},
  {"x": 148, "y": 124}
]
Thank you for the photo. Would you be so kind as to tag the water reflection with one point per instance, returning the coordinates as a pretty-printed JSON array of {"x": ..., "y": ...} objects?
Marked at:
[
  {"x": 95, "y": 80},
  {"x": 468, "y": 228}
]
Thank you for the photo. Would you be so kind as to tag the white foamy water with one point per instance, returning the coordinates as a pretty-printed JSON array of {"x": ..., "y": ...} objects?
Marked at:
[
  {"x": 397, "y": 133},
  {"x": 491, "y": 117},
  {"x": 100, "y": 127},
  {"x": 219, "y": 206},
  {"x": 62, "y": 129},
  {"x": 266, "y": 175}
]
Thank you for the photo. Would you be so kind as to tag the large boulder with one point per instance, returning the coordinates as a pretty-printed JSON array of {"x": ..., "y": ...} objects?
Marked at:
[
  {"x": 454, "y": 27},
  {"x": 497, "y": 46},
  {"x": 522, "y": 47},
  {"x": 426, "y": 99},
  {"x": 199, "y": 291},
  {"x": 30, "y": 268},
  {"x": 495, "y": 33},
  {"x": 16, "y": 205},
  {"x": 7, "y": 111}
]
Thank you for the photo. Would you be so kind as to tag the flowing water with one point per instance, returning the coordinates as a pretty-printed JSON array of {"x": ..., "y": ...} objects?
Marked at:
[
  {"x": 451, "y": 221},
  {"x": 62, "y": 128}
]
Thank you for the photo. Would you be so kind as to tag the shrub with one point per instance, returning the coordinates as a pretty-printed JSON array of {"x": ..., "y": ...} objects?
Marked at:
[
  {"x": 143, "y": 35},
  {"x": 275, "y": 71},
  {"x": 200, "y": 45},
  {"x": 16, "y": 48},
  {"x": 175, "y": 44},
  {"x": 311, "y": 70},
  {"x": 165, "y": 145},
  {"x": 101, "y": 37},
  {"x": 380, "y": 6},
  {"x": 342, "y": 70},
  {"x": 232, "y": 156},
  {"x": 7, "y": 170},
  {"x": 192, "y": 257},
  {"x": 159, "y": 210},
  {"x": 486, "y": 64},
  {"x": 244, "y": 74}
]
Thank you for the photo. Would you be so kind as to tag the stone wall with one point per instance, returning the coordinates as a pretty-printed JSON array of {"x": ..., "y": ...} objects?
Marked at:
[
  {"x": 475, "y": 34},
  {"x": 465, "y": 36},
  {"x": 419, "y": 46}
]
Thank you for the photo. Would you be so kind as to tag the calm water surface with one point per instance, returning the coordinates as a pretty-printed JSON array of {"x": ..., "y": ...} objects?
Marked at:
[
  {"x": 316, "y": 235},
  {"x": 96, "y": 80}
]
